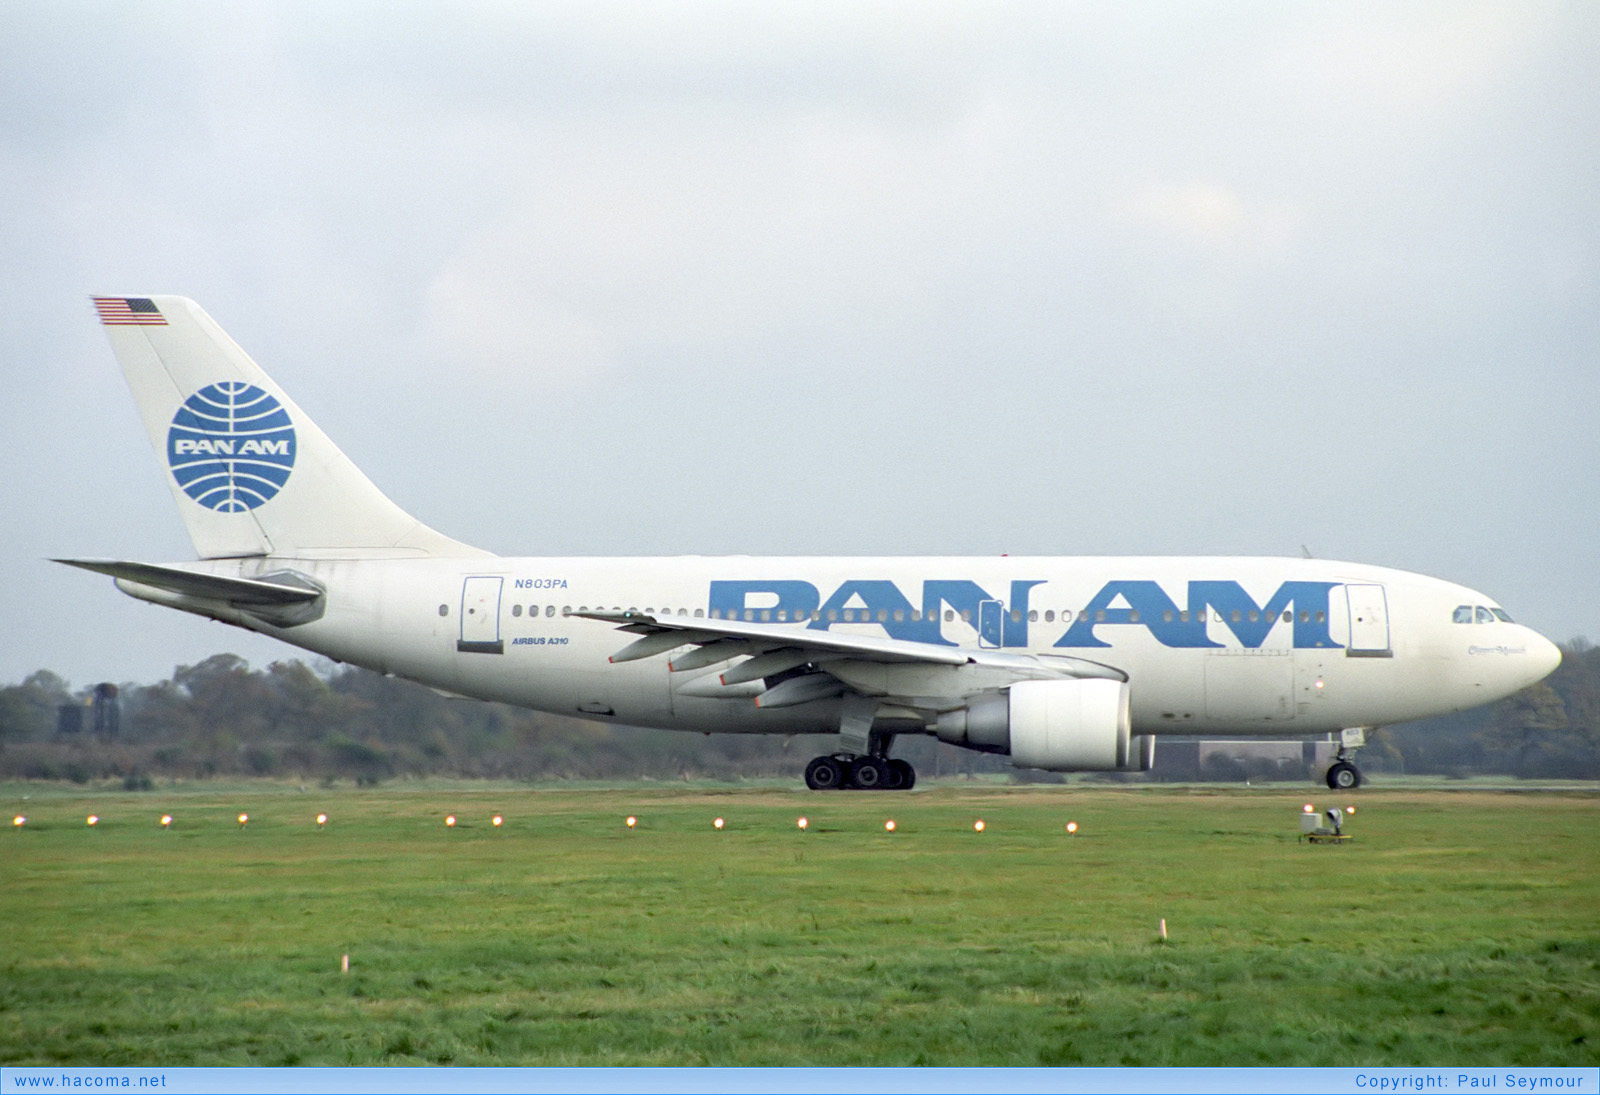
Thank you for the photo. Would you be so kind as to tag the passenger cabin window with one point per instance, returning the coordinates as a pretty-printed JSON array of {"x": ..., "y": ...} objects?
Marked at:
[
  {"x": 1463, "y": 614},
  {"x": 516, "y": 610}
]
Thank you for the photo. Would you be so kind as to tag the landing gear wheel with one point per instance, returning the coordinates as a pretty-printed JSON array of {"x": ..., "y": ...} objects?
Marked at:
[
  {"x": 907, "y": 775},
  {"x": 869, "y": 774},
  {"x": 893, "y": 778},
  {"x": 1344, "y": 776},
  {"x": 824, "y": 774}
]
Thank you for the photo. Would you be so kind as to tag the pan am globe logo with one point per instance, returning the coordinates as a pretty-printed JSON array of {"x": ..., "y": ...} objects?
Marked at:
[{"x": 231, "y": 446}]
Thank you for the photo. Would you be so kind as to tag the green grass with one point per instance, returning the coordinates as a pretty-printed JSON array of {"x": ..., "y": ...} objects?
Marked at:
[{"x": 1457, "y": 928}]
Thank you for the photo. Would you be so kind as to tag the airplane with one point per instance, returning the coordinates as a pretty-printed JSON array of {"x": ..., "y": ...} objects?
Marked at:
[{"x": 1065, "y": 664}]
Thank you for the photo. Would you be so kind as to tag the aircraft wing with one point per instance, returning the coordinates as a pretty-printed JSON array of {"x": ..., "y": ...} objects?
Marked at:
[{"x": 779, "y": 649}]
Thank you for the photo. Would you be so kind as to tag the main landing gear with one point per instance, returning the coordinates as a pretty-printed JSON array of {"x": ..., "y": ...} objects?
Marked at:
[{"x": 845, "y": 771}]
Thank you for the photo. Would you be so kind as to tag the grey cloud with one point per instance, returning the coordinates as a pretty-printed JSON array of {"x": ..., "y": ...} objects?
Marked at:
[{"x": 923, "y": 278}]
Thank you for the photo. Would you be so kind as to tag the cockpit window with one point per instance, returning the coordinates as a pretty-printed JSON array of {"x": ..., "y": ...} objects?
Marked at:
[
  {"x": 1500, "y": 614},
  {"x": 1463, "y": 614},
  {"x": 1485, "y": 616}
]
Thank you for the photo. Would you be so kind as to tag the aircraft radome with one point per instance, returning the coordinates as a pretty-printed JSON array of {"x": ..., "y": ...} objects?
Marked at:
[{"x": 1064, "y": 664}]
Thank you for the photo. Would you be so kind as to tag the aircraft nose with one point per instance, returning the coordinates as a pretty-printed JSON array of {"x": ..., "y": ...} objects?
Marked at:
[{"x": 1543, "y": 656}]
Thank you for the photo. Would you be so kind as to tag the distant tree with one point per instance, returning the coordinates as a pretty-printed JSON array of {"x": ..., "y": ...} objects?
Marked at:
[
  {"x": 322, "y": 721},
  {"x": 28, "y": 710},
  {"x": 1525, "y": 728}
]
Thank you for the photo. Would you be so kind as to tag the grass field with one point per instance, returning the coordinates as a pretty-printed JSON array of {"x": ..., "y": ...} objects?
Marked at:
[{"x": 1457, "y": 928}]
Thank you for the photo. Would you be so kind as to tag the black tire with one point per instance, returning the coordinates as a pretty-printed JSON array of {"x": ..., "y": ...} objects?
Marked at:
[
  {"x": 1344, "y": 776},
  {"x": 907, "y": 774},
  {"x": 824, "y": 774},
  {"x": 893, "y": 778},
  {"x": 869, "y": 774}
]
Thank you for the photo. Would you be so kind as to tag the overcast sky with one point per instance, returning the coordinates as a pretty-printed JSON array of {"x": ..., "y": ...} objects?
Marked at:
[{"x": 822, "y": 278}]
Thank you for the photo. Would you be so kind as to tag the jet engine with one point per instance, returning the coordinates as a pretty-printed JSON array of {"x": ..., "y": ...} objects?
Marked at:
[{"x": 1060, "y": 726}]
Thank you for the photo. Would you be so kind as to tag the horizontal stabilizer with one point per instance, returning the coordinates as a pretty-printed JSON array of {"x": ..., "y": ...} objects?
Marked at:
[{"x": 282, "y": 588}]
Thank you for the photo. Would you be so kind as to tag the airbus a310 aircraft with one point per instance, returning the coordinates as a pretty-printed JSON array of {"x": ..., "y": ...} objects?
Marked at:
[{"x": 1063, "y": 663}]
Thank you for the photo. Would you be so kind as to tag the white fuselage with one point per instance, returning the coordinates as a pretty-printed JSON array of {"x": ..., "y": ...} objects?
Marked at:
[
  {"x": 1218, "y": 645},
  {"x": 1065, "y": 664}
]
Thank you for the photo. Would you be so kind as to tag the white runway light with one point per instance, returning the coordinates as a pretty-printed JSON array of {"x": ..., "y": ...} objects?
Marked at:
[
  {"x": 717, "y": 824},
  {"x": 1072, "y": 828},
  {"x": 497, "y": 821},
  {"x": 802, "y": 823},
  {"x": 450, "y": 821},
  {"x": 977, "y": 826},
  {"x": 19, "y": 821},
  {"x": 166, "y": 821},
  {"x": 632, "y": 821},
  {"x": 244, "y": 819},
  {"x": 888, "y": 826},
  {"x": 92, "y": 820},
  {"x": 322, "y": 819}
]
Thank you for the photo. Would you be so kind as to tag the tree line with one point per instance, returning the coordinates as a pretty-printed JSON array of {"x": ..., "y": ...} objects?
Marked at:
[{"x": 221, "y": 718}]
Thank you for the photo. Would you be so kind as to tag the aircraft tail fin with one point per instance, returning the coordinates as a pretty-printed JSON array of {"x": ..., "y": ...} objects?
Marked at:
[{"x": 250, "y": 471}]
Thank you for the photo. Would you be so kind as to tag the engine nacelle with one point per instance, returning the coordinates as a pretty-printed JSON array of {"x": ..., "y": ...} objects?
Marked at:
[{"x": 1060, "y": 726}]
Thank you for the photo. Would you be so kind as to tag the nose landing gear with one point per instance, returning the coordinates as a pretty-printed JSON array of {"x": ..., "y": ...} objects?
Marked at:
[{"x": 1344, "y": 775}]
